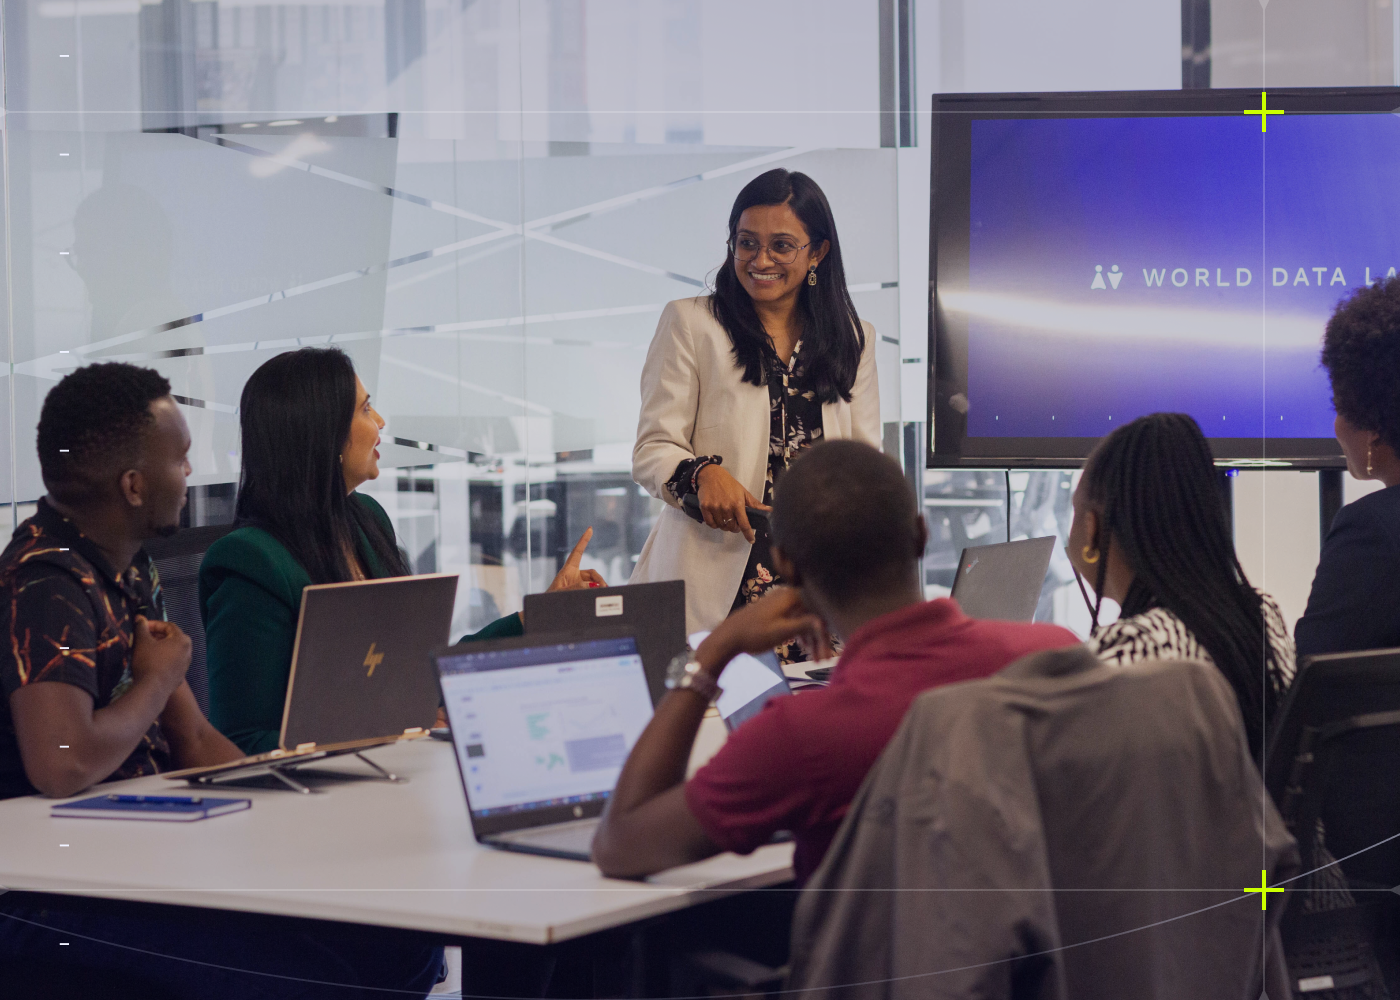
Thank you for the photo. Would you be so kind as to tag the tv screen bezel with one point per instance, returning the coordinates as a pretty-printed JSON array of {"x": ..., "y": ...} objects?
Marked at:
[{"x": 949, "y": 230}]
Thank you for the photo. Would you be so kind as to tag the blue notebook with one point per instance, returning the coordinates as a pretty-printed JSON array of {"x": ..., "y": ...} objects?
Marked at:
[{"x": 170, "y": 808}]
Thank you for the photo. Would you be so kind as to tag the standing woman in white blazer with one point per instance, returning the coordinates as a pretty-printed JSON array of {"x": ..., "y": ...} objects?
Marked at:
[{"x": 738, "y": 382}]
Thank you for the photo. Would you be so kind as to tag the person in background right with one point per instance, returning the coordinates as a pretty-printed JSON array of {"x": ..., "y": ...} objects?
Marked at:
[
  {"x": 1150, "y": 532},
  {"x": 1356, "y": 590}
]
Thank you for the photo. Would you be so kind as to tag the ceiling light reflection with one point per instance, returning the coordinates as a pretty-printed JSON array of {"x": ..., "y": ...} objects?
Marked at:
[{"x": 1128, "y": 323}]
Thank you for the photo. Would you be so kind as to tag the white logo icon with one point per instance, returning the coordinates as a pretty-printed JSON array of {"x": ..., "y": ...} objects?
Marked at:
[
  {"x": 1114, "y": 276},
  {"x": 607, "y": 607}
]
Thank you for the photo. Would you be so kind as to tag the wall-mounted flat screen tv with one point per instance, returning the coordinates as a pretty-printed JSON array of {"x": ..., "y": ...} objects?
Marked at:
[{"x": 1099, "y": 256}]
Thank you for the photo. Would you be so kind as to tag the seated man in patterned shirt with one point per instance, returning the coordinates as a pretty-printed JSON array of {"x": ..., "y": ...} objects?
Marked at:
[
  {"x": 94, "y": 689},
  {"x": 93, "y": 675}
]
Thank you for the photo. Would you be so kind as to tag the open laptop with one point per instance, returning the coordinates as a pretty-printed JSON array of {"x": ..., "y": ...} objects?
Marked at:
[
  {"x": 1003, "y": 581},
  {"x": 654, "y": 613},
  {"x": 747, "y": 683},
  {"x": 361, "y": 673},
  {"x": 541, "y": 727}
]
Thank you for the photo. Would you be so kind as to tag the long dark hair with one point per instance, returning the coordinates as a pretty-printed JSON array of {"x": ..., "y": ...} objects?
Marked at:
[
  {"x": 295, "y": 415},
  {"x": 1154, "y": 484},
  {"x": 832, "y": 338}
]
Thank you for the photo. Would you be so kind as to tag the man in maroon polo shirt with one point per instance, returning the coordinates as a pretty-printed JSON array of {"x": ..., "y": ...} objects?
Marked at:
[{"x": 847, "y": 536}]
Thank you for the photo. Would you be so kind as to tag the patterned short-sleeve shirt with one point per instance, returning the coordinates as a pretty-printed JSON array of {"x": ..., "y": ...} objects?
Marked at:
[{"x": 66, "y": 616}]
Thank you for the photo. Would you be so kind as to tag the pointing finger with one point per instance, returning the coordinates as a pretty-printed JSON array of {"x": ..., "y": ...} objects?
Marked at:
[{"x": 577, "y": 554}]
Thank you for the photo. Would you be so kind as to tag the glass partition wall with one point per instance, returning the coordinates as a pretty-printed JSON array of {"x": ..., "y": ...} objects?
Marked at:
[{"x": 486, "y": 203}]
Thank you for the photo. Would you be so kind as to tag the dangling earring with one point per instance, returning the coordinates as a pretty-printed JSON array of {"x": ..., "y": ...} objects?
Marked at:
[
  {"x": 812, "y": 275},
  {"x": 1084, "y": 554},
  {"x": 1368, "y": 460}
]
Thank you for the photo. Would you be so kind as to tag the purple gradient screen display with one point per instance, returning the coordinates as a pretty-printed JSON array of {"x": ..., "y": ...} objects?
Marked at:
[{"x": 1127, "y": 265}]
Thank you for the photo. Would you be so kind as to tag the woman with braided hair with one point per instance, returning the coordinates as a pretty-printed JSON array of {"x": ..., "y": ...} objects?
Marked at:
[{"x": 1151, "y": 532}]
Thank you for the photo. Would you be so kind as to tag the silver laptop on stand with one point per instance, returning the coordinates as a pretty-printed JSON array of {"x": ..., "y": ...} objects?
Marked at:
[
  {"x": 361, "y": 676},
  {"x": 541, "y": 727}
]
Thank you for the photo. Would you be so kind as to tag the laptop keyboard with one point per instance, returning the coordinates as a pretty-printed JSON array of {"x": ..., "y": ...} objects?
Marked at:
[{"x": 576, "y": 836}]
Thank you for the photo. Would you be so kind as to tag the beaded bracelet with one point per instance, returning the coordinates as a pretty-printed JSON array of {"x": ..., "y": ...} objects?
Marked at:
[{"x": 703, "y": 461}]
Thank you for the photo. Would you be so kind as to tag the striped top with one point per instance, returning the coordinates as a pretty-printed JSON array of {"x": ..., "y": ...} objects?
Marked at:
[{"x": 1159, "y": 634}]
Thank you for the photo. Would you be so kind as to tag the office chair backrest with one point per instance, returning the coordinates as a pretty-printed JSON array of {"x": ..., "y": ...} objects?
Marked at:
[
  {"x": 177, "y": 559},
  {"x": 1333, "y": 755}
]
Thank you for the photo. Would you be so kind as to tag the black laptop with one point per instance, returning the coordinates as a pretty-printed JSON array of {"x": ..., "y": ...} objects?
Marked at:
[
  {"x": 1003, "y": 581},
  {"x": 654, "y": 613}
]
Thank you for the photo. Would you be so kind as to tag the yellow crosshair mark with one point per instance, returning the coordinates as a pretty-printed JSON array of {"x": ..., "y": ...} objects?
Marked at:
[
  {"x": 1263, "y": 889},
  {"x": 1263, "y": 111}
]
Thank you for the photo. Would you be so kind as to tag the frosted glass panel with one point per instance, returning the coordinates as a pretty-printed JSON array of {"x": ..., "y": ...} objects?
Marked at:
[{"x": 486, "y": 204}]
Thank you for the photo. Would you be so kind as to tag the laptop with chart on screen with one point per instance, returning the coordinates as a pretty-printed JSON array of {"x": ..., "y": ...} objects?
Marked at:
[{"x": 541, "y": 727}]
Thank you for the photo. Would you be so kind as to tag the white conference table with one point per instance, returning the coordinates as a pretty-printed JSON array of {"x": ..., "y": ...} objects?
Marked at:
[{"x": 369, "y": 852}]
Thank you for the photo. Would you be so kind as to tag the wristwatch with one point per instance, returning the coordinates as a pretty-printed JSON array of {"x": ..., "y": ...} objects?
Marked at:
[{"x": 684, "y": 674}]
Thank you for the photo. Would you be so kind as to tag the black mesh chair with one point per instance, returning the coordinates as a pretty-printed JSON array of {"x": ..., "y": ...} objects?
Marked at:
[
  {"x": 177, "y": 560},
  {"x": 1330, "y": 768}
]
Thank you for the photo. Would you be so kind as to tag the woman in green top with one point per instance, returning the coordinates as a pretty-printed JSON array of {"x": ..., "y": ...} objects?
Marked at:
[{"x": 310, "y": 438}]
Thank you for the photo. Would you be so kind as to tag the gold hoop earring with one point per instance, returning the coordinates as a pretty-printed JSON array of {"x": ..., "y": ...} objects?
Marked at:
[
  {"x": 1368, "y": 460},
  {"x": 1084, "y": 554},
  {"x": 812, "y": 275}
]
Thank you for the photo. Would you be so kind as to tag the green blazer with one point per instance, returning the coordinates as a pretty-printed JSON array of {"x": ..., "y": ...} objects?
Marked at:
[{"x": 250, "y": 597}]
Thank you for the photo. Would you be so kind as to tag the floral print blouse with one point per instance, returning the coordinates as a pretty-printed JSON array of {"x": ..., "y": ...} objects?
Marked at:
[{"x": 794, "y": 424}]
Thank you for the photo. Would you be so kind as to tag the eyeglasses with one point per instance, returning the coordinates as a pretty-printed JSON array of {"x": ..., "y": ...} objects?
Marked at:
[{"x": 781, "y": 251}]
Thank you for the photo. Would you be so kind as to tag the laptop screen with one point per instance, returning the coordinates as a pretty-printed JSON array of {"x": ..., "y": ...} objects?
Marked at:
[
  {"x": 543, "y": 727},
  {"x": 746, "y": 684}
]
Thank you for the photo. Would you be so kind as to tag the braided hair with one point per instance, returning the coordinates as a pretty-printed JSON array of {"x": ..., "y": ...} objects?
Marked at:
[{"x": 1153, "y": 483}]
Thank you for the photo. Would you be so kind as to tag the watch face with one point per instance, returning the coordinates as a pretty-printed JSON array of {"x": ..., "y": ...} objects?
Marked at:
[
  {"x": 699, "y": 682},
  {"x": 677, "y": 668}
]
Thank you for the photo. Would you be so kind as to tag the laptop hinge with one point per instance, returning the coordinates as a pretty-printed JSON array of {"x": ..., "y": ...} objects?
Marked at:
[
  {"x": 412, "y": 730},
  {"x": 305, "y": 746}
]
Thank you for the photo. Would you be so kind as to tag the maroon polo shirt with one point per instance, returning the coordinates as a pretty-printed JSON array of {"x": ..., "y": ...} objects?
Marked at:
[{"x": 798, "y": 763}]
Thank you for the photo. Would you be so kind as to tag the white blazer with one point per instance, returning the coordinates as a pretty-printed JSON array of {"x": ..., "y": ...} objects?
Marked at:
[{"x": 695, "y": 402}]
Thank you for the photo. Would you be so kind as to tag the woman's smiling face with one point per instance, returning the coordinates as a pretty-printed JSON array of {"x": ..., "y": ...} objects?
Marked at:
[{"x": 774, "y": 228}]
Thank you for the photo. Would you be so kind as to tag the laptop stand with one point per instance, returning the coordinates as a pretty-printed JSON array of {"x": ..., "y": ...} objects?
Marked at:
[{"x": 282, "y": 771}]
